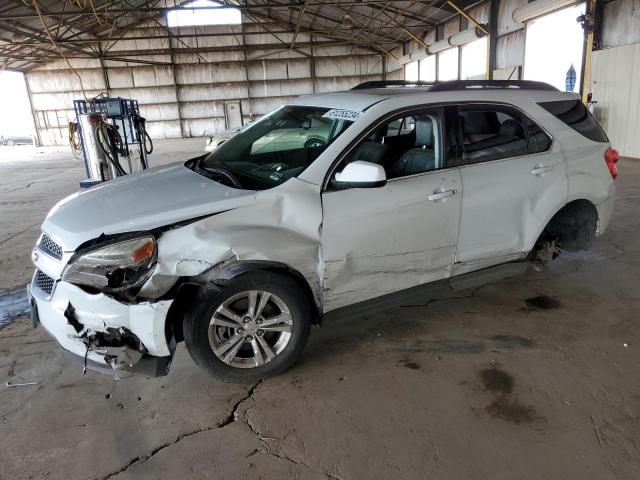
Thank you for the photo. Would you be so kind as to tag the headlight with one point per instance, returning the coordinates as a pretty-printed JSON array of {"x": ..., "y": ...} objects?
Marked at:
[{"x": 114, "y": 267}]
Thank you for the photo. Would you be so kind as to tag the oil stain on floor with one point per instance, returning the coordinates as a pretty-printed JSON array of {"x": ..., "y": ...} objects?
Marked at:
[
  {"x": 496, "y": 381},
  {"x": 505, "y": 405},
  {"x": 542, "y": 302}
]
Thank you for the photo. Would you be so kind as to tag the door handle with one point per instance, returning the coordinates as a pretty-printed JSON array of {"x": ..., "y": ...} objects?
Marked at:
[
  {"x": 540, "y": 169},
  {"x": 440, "y": 194}
]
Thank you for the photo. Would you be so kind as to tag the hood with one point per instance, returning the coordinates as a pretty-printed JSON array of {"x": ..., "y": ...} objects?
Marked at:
[{"x": 145, "y": 200}]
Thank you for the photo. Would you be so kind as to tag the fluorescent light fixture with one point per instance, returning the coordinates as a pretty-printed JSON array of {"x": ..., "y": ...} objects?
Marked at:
[
  {"x": 465, "y": 36},
  {"x": 538, "y": 8},
  {"x": 413, "y": 56},
  {"x": 439, "y": 46}
]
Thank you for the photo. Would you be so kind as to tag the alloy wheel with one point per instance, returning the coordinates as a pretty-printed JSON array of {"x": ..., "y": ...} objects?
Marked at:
[{"x": 250, "y": 329}]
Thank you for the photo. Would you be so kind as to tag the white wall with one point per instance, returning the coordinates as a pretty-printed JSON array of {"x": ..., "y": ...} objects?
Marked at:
[{"x": 614, "y": 75}]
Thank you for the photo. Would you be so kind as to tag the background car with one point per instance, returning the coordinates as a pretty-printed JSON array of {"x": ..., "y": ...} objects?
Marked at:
[
  {"x": 314, "y": 132},
  {"x": 217, "y": 139},
  {"x": 11, "y": 140},
  {"x": 214, "y": 141}
]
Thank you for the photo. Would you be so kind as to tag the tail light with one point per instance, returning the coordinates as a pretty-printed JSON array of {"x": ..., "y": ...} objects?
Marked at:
[{"x": 611, "y": 156}]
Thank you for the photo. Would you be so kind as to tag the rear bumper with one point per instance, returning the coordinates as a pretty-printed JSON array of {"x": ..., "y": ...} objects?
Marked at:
[{"x": 84, "y": 325}]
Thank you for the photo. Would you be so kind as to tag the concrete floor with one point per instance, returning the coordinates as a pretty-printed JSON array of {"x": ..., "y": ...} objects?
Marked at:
[{"x": 533, "y": 377}]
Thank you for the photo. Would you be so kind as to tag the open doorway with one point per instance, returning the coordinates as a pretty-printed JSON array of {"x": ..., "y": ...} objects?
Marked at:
[
  {"x": 16, "y": 119},
  {"x": 555, "y": 42}
]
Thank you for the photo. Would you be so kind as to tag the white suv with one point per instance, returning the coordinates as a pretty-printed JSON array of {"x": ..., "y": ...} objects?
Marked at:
[{"x": 239, "y": 251}]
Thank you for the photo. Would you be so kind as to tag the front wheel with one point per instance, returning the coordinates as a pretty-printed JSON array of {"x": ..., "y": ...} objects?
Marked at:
[{"x": 253, "y": 328}]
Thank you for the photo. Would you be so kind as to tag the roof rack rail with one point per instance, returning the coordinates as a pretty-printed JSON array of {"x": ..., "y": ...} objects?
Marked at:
[
  {"x": 488, "y": 84},
  {"x": 392, "y": 83}
]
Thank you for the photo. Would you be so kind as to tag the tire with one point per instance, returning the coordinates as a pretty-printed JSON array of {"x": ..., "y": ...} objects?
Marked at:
[
  {"x": 10, "y": 143},
  {"x": 206, "y": 328}
]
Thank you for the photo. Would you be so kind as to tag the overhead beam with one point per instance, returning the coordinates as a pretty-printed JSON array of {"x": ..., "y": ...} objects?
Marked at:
[
  {"x": 300, "y": 15},
  {"x": 214, "y": 34},
  {"x": 227, "y": 48},
  {"x": 468, "y": 17},
  {"x": 242, "y": 7}
]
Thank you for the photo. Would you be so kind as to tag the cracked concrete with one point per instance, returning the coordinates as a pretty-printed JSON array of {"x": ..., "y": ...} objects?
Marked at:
[
  {"x": 227, "y": 421},
  {"x": 395, "y": 394}
]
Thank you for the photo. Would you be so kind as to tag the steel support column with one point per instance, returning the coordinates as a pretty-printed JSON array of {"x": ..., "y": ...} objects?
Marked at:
[
  {"x": 585, "y": 72},
  {"x": 492, "y": 38},
  {"x": 33, "y": 112},
  {"x": 175, "y": 83}
]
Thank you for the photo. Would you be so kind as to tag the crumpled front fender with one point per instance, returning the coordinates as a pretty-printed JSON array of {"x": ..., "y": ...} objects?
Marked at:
[{"x": 281, "y": 227}]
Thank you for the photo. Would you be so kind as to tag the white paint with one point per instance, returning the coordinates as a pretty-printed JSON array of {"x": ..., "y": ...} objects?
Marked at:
[
  {"x": 349, "y": 245},
  {"x": 99, "y": 312},
  {"x": 362, "y": 172}
]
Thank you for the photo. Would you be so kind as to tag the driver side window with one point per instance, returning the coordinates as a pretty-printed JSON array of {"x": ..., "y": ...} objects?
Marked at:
[{"x": 407, "y": 144}]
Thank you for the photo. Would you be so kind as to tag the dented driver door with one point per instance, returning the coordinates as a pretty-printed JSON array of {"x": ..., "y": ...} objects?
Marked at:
[{"x": 381, "y": 240}]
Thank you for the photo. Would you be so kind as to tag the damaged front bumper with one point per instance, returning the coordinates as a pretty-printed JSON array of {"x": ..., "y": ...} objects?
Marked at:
[{"x": 103, "y": 333}]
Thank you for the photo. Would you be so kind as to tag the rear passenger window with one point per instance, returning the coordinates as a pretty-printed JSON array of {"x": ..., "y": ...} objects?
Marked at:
[
  {"x": 491, "y": 133},
  {"x": 539, "y": 141},
  {"x": 576, "y": 115}
]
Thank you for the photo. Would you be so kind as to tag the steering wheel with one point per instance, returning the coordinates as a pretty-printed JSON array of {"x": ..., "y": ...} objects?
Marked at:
[
  {"x": 227, "y": 174},
  {"x": 314, "y": 143}
]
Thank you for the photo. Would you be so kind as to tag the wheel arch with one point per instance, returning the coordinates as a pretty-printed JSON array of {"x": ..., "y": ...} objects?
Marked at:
[
  {"x": 574, "y": 223},
  {"x": 188, "y": 289}
]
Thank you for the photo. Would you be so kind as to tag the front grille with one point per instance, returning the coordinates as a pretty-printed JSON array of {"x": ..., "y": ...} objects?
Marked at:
[
  {"x": 43, "y": 282},
  {"x": 51, "y": 248}
]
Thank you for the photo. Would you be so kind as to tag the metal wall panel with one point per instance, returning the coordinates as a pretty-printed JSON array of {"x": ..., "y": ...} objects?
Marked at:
[
  {"x": 451, "y": 27},
  {"x": 505, "y": 18},
  {"x": 618, "y": 107},
  {"x": 196, "y": 93},
  {"x": 621, "y": 24},
  {"x": 280, "y": 88},
  {"x": 61, "y": 81},
  {"x": 510, "y": 50}
]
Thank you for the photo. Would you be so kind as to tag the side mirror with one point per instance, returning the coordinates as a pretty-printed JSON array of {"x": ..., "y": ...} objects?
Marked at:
[
  {"x": 306, "y": 123},
  {"x": 360, "y": 174}
]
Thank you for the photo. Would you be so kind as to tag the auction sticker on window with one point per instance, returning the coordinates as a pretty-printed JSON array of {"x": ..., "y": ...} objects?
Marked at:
[{"x": 342, "y": 114}]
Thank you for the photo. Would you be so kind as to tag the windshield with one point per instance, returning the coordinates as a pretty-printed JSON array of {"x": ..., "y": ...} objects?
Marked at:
[{"x": 274, "y": 148}]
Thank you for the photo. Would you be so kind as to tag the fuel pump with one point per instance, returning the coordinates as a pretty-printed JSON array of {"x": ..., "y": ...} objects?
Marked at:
[{"x": 112, "y": 137}]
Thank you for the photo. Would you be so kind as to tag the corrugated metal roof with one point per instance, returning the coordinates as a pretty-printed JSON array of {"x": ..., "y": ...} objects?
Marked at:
[{"x": 87, "y": 28}]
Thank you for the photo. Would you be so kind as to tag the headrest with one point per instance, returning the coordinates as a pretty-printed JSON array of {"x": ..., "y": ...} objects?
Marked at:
[
  {"x": 372, "y": 152},
  {"x": 478, "y": 123},
  {"x": 512, "y": 128},
  {"x": 424, "y": 132}
]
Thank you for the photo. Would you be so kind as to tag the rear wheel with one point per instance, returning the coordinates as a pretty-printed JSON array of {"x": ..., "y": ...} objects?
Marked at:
[
  {"x": 253, "y": 328},
  {"x": 573, "y": 228}
]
